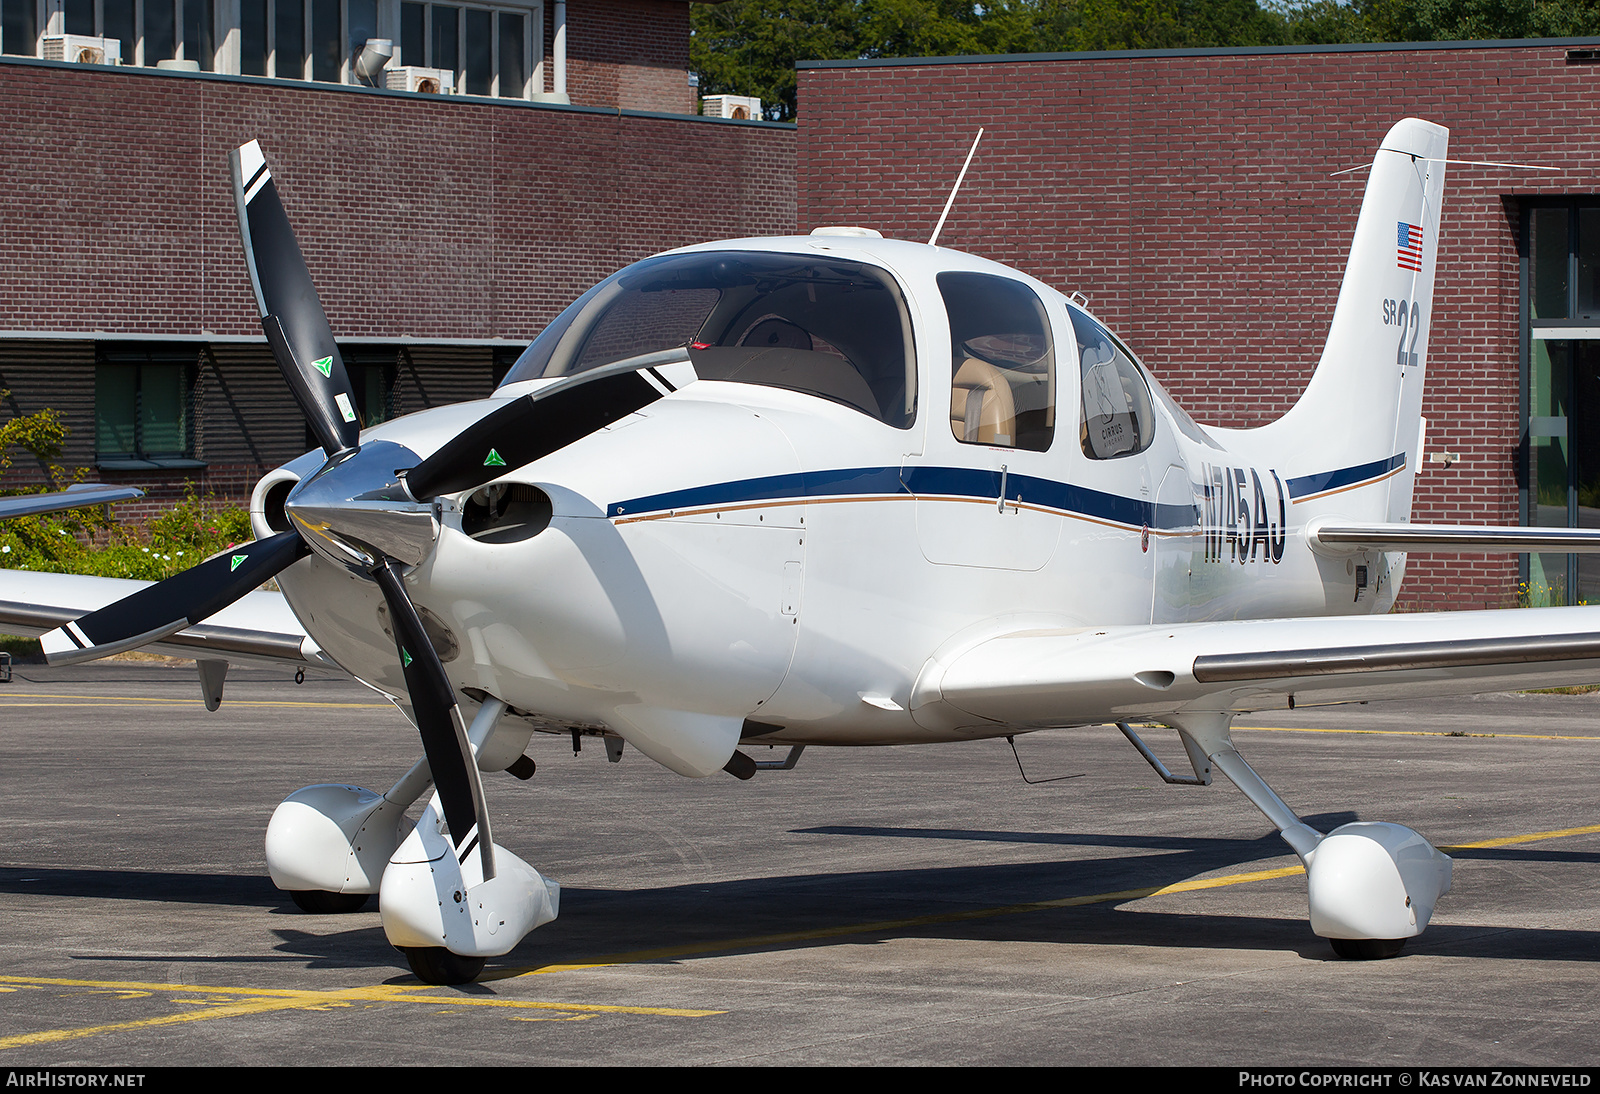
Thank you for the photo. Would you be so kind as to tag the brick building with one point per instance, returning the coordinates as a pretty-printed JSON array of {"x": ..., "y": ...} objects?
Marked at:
[
  {"x": 443, "y": 230},
  {"x": 1192, "y": 196}
]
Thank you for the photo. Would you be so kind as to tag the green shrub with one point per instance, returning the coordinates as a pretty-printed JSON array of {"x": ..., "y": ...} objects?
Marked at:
[{"x": 83, "y": 541}]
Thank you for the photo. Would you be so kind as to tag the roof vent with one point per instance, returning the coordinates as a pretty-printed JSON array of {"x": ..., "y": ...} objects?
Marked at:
[{"x": 847, "y": 230}]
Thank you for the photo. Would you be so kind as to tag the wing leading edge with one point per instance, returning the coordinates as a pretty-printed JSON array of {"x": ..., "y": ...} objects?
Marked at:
[{"x": 1042, "y": 678}]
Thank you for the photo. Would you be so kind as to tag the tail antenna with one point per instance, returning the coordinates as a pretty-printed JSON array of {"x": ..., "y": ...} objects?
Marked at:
[{"x": 937, "y": 228}]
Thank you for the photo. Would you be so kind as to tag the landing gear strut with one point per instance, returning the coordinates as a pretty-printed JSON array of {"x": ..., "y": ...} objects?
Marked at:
[{"x": 1370, "y": 885}]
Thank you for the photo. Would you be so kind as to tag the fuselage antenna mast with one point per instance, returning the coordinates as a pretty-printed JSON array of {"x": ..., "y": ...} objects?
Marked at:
[{"x": 937, "y": 228}]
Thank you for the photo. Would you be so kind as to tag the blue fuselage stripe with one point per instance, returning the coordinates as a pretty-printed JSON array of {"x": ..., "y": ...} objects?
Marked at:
[
  {"x": 963, "y": 483},
  {"x": 1345, "y": 476}
]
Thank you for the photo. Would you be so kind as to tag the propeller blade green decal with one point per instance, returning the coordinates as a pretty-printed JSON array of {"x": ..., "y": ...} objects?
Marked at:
[
  {"x": 324, "y": 366},
  {"x": 493, "y": 459},
  {"x": 237, "y": 560}
]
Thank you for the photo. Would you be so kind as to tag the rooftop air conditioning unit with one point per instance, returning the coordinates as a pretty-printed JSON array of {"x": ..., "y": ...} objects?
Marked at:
[
  {"x": 83, "y": 49},
  {"x": 742, "y": 107},
  {"x": 431, "y": 81}
]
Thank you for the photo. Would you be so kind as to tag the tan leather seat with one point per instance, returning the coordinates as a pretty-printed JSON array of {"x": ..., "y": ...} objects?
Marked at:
[{"x": 982, "y": 410}]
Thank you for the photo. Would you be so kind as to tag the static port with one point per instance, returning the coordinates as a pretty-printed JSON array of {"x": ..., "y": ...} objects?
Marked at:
[{"x": 506, "y": 512}]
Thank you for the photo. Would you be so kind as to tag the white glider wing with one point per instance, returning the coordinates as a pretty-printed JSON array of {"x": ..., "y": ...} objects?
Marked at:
[
  {"x": 73, "y": 497},
  {"x": 1042, "y": 678},
  {"x": 259, "y": 627}
]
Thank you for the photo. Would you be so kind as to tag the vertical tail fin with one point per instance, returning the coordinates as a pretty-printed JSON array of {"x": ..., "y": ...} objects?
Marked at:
[{"x": 1363, "y": 406}]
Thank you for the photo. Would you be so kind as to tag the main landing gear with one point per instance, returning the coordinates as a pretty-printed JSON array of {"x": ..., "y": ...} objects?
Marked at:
[{"x": 1370, "y": 885}]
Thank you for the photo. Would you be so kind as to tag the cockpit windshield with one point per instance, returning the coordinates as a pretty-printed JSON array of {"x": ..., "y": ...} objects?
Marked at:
[{"x": 828, "y": 327}]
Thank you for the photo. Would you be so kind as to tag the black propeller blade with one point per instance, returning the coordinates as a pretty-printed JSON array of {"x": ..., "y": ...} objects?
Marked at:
[
  {"x": 169, "y": 606},
  {"x": 444, "y": 733},
  {"x": 291, "y": 314},
  {"x": 532, "y": 427}
]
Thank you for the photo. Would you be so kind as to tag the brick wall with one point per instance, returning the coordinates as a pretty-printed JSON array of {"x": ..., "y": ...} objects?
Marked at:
[
  {"x": 632, "y": 54},
  {"x": 1192, "y": 199},
  {"x": 423, "y": 217}
]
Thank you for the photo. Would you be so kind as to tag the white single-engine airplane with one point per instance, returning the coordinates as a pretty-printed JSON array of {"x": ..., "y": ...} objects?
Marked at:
[{"x": 832, "y": 490}]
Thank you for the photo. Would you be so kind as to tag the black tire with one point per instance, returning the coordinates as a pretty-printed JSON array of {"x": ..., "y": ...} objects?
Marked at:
[
  {"x": 322, "y": 902},
  {"x": 437, "y": 965},
  {"x": 1367, "y": 949}
]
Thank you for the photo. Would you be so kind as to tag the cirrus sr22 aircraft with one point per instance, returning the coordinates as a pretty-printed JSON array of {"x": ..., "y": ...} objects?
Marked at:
[{"x": 831, "y": 490}]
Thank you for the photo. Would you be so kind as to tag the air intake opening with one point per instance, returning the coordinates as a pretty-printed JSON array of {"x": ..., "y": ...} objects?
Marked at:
[
  {"x": 506, "y": 512},
  {"x": 272, "y": 510}
]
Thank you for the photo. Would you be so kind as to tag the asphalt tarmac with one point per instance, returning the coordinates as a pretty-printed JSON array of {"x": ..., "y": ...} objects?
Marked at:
[{"x": 869, "y": 907}]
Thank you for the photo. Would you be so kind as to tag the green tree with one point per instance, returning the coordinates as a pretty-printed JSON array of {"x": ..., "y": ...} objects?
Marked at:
[
  {"x": 749, "y": 47},
  {"x": 1326, "y": 21}
]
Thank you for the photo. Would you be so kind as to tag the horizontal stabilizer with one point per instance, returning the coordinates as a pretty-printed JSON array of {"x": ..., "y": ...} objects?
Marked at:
[{"x": 1330, "y": 538}]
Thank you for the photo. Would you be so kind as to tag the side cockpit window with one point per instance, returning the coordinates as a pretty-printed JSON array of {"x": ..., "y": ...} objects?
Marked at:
[
  {"x": 1117, "y": 416},
  {"x": 1002, "y": 383}
]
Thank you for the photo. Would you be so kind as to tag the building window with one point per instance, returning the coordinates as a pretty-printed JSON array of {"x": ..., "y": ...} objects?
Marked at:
[
  {"x": 1561, "y": 390},
  {"x": 486, "y": 48},
  {"x": 372, "y": 373},
  {"x": 150, "y": 30},
  {"x": 144, "y": 405},
  {"x": 305, "y": 39},
  {"x": 19, "y": 27}
]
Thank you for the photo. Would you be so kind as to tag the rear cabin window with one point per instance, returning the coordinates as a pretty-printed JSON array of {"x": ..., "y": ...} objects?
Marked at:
[
  {"x": 1002, "y": 382},
  {"x": 835, "y": 329},
  {"x": 1117, "y": 416}
]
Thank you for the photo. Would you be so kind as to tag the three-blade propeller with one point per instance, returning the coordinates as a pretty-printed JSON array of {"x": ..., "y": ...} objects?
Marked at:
[{"x": 509, "y": 437}]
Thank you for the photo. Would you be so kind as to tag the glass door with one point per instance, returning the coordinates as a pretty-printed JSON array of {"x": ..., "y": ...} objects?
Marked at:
[{"x": 1562, "y": 392}]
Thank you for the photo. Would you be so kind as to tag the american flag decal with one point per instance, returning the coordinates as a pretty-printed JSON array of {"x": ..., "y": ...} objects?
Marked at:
[{"x": 1408, "y": 253}]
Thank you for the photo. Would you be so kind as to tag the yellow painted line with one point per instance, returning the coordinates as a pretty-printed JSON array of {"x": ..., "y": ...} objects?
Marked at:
[
  {"x": 231, "y": 1010},
  {"x": 9, "y": 699},
  {"x": 1417, "y": 733},
  {"x": 266, "y": 1000},
  {"x": 1532, "y": 837},
  {"x": 243, "y": 1001}
]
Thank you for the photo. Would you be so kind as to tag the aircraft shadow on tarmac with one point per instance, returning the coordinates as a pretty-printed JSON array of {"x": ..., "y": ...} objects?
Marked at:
[{"x": 755, "y": 914}]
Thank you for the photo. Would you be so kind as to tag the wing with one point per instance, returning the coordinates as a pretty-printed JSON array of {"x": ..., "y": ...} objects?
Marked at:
[
  {"x": 73, "y": 497},
  {"x": 1035, "y": 679},
  {"x": 258, "y": 627}
]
